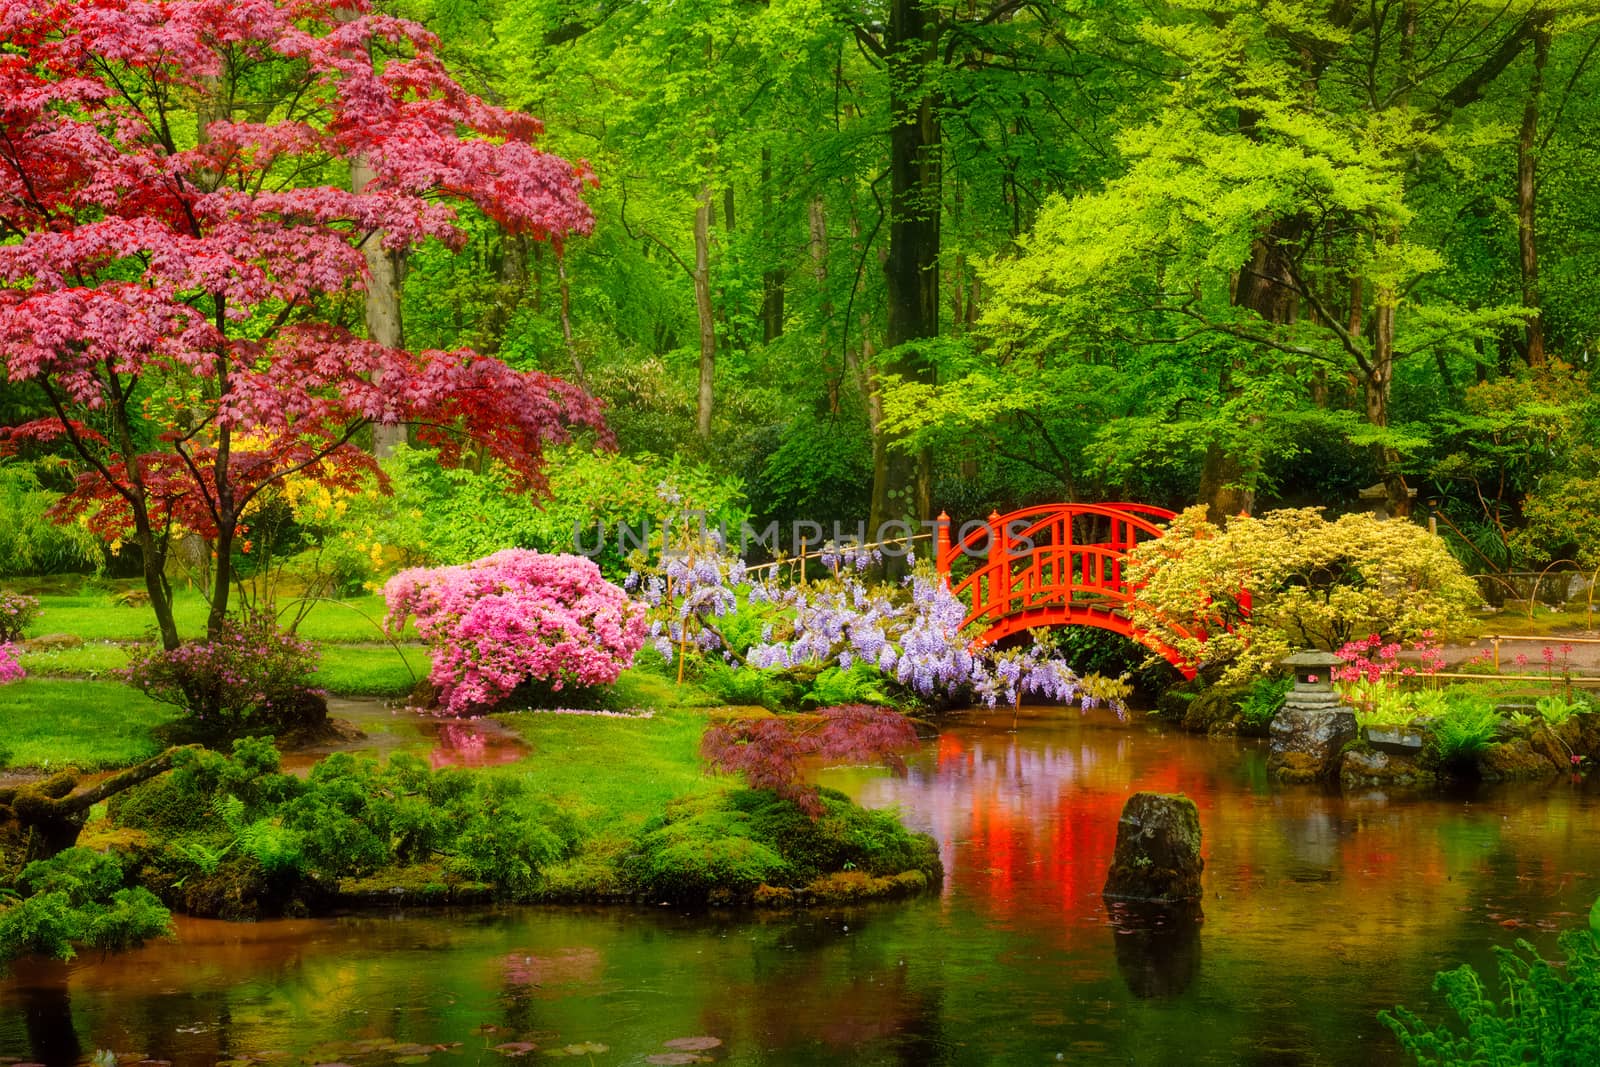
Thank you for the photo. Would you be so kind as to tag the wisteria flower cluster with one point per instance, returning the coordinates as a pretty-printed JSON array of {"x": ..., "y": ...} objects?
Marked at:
[
  {"x": 16, "y": 612},
  {"x": 911, "y": 633},
  {"x": 687, "y": 594},
  {"x": 514, "y": 617},
  {"x": 251, "y": 675},
  {"x": 10, "y": 669}
]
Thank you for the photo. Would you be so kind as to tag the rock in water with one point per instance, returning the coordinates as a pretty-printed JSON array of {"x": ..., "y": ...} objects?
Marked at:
[
  {"x": 1307, "y": 742},
  {"x": 1158, "y": 851}
]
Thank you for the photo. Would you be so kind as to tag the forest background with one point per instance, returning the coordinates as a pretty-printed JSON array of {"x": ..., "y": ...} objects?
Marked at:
[{"x": 867, "y": 261}]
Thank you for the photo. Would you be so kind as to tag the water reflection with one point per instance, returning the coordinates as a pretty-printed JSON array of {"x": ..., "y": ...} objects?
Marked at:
[{"x": 1319, "y": 910}]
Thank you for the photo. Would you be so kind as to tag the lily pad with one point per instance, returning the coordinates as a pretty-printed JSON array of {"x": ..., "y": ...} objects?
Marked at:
[
  {"x": 515, "y": 1048},
  {"x": 693, "y": 1044},
  {"x": 668, "y": 1058},
  {"x": 586, "y": 1048}
]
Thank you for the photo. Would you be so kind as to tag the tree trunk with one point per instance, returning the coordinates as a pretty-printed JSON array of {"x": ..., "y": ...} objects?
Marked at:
[
  {"x": 702, "y": 301},
  {"x": 566, "y": 318},
  {"x": 1264, "y": 287},
  {"x": 902, "y": 480},
  {"x": 1527, "y": 199},
  {"x": 41, "y": 819},
  {"x": 385, "y": 322},
  {"x": 1379, "y": 381},
  {"x": 772, "y": 280}
]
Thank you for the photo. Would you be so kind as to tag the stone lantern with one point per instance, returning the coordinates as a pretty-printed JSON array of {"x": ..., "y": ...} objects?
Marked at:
[
  {"x": 1313, "y": 678},
  {"x": 1309, "y": 734}
]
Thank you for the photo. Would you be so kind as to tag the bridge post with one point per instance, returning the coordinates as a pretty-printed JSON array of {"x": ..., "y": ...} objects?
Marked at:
[
  {"x": 941, "y": 552},
  {"x": 999, "y": 567}
]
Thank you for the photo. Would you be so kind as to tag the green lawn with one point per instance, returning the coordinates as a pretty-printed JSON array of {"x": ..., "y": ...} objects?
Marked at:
[
  {"x": 52, "y": 724},
  {"x": 100, "y": 617},
  {"x": 372, "y": 672},
  {"x": 346, "y": 670}
]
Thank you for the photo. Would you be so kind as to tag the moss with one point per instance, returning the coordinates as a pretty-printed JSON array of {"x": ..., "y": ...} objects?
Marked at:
[
  {"x": 724, "y": 847},
  {"x": 1214, "y": 710}
]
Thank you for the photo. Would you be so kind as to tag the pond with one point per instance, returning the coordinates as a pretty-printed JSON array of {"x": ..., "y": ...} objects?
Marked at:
[{"x": 1319, "y": 910}]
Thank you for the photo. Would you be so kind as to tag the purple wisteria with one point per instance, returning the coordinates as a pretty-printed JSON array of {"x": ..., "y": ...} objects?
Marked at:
[{"x": 911, "y": 633}]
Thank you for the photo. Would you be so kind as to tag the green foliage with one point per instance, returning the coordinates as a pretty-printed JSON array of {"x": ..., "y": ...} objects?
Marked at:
[
  {"x": 862, "y": 683},
  {"x": 1310, "y": 582},
  {"x": 735, "y": 841},
  {"x": 1556, "y": 710},
  {"x": 77, "y": 899},
  {"x": 1466, "y": 729},
  {"x": 350, "y": 818},
  {"x": 1546, "y": 1017},
  {"x": 1264, "y": 699},
  {"x": 30, "y": 542},
  {"x": 446, "y": 516}
]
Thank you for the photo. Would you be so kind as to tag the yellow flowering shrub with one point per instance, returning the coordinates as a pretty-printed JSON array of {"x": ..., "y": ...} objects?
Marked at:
[{"x": 1240, "y": 599}]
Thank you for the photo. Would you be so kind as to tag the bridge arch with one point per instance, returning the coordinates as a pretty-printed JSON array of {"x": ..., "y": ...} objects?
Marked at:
[{"x": 1053, "y": 565}]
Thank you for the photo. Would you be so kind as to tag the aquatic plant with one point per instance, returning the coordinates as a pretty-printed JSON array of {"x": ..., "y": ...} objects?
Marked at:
[{"x": 514, "y": 617}]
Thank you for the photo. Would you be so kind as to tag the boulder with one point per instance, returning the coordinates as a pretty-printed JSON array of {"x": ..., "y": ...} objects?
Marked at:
[
  {"x": 1512, "y": 761},
  {"x": 1366, "y": 766},
  {"x": 1157, "y": 857},
  {"x": 1307, "y": 743}
]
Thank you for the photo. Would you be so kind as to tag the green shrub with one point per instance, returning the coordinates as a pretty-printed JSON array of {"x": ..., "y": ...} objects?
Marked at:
[
  {"x": 1264, "y": 699},
  {"x": 251, "y": 678},
  {"x": 862, "y": 683},
  {"x": 699, "y": 845},
  {"x": 78, "y": 899},
  {"x": 734, "y": 841},
  {"x": 1465, "y": 730},
  {"x": 1545, "y": 1018}
]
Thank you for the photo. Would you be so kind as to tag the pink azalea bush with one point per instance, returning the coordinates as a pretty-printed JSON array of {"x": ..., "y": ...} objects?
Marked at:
[
  {"x": 514, "y": 617},
  {"x": 10, "y": 669}
]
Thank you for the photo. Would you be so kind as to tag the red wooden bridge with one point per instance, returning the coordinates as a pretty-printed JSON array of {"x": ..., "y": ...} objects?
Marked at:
[{"x": 1052, "y": 565}]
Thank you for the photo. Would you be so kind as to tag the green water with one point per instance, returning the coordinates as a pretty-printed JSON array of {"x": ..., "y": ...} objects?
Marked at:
[{"x": 1319, "y": 910}]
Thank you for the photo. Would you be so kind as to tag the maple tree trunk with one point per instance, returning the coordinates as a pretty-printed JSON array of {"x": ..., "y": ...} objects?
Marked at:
[
  {"x": 702, "y": 303},
  {"x": 902, "y": 480},
  {"x": 385, "y": 321},
  {"x": 1527, "y": 199}
]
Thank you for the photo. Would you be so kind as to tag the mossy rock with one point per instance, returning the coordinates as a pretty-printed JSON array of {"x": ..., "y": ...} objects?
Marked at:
[
  {"x": 1514, "y": 760},
  {"x": 1215, "y": 710},
  {"x": 1363, "y": 765}
]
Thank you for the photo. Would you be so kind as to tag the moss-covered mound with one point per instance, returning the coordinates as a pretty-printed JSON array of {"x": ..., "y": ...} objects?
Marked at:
[{"x": 753, "y": 846}]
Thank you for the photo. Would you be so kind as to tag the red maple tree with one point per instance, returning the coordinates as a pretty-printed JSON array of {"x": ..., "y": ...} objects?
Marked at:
[{"x": 179, "y": 257}]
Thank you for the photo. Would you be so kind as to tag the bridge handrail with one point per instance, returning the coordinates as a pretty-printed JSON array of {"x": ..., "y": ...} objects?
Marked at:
[{"x": 1133, "y": 514}]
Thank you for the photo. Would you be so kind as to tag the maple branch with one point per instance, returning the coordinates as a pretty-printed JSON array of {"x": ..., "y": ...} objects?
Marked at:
[{"x": 80, "y": 446}]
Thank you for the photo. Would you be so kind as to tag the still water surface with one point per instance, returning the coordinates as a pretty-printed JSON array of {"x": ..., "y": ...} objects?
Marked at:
[{"x": 1319, "y": 910}]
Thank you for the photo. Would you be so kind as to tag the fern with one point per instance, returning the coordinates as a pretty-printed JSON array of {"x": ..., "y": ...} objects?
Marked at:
[{"x": 1543, "y": 1019}]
